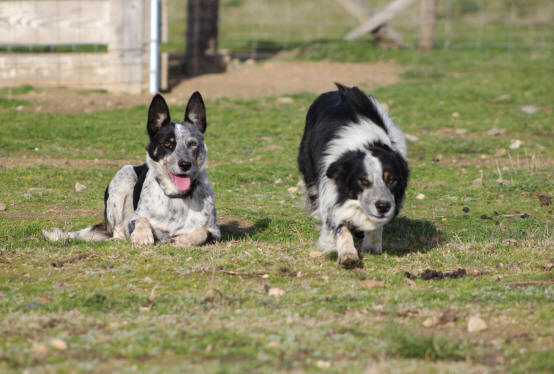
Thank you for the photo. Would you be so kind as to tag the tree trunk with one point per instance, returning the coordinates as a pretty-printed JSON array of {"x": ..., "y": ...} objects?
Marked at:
[{"x": 202, "y": 28}]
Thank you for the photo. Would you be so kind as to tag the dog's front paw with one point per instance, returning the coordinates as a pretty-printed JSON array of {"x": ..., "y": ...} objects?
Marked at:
[
  {"x": 142, "y": 237},
  {"x": 142, "y": 234},
  {"x": 194, "y": 238},
  {"x": 373, "y": 242},
  {"x": 348, "y": 259}
]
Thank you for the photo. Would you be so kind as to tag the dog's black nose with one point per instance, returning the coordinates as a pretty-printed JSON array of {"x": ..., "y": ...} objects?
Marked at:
[
  {"x": 383, "y": 206},
  {"x": 184, "y": 165}
]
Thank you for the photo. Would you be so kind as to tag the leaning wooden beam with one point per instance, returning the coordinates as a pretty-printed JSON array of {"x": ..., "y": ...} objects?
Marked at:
[
  {"x": 381, "y": 17},
  {"x": 361, "y": 10}
]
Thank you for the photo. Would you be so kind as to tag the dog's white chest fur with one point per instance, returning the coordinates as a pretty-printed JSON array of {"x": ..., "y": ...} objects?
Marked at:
[{"x": 174, "y": 216}]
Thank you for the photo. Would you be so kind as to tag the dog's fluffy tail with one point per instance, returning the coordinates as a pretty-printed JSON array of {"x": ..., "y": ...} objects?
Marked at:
[{"x": 92, "y": 233}]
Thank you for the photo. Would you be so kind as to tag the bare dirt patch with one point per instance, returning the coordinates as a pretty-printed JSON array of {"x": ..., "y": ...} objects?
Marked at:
[
  {"x": 271, "y": 78},
  {"x": 12, "y": 162}
]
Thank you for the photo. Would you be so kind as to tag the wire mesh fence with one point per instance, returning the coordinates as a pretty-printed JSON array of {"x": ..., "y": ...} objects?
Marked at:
[{"x": 257, "y": 29}]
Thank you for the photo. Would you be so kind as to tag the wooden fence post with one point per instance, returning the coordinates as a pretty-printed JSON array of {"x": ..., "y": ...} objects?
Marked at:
[
  {"x": 201, "y": 56},
  {"x": 427, "y": 24}
]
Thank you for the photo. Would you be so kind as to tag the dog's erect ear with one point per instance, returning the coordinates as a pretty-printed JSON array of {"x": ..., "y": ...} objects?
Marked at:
[
  {"x": 196, "y": 111},
  {"x": 158, "y": 115}
]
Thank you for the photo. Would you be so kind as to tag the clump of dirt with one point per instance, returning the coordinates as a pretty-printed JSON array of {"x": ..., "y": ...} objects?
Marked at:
[
  {"x": 430, "y": 274},
  {"x": 270, "y": 78}
]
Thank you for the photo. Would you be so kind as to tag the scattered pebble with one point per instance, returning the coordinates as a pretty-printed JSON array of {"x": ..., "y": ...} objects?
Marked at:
[
  {"x": 484, "y": 216},
  {"x": 431, "y": 322},
  {"x": 278, "y": 181},
  {"x": 525, "y": 215},
  {"x": 284, "y": 100},
  {"x": 496, "y": 132},
  {"x": 456, "y": 115},
  {"x": 420, "y": 196},
  {"x": 460, "y": 131},
  {"x": 476, "y": 324},
  {"x": 372, "y": 284},
  {"x": 275, "y": 291},
  {"x": 80, "y": 187},
  {"x": 503, "y": 97},
  {"x": 292, "y": 190},
  {"x": 323, "y": 364},
  {"x": 148, "y": 280},
  {"x": 58, "y": 344},
  {"x": 529, "y": 109},
  {"x": 3, "y": 207},
  {"x": 465, "y": 209},
  {"x": 20, "y": 108},
  {"x": 515, "y": 144}
]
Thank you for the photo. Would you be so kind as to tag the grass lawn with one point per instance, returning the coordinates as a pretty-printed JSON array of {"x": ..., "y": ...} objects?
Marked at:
[{"x": 262, "y": 300}]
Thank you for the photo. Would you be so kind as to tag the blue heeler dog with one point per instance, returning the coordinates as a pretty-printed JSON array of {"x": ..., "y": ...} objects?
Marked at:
[{"x": 169, "y": 198}]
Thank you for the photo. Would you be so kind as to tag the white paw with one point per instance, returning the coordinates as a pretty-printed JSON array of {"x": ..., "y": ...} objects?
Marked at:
[
  {"x": 375, "y": 249},
  {"x": 348, "y": 259},
  {"x": 142, "y": 237}
]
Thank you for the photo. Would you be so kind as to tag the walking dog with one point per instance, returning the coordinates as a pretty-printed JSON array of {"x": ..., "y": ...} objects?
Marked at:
[
  {"x": 353, "y": 160},
  {"x": 169, "y": 198}
]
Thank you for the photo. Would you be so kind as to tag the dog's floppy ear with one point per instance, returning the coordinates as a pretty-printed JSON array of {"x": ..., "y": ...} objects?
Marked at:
[
  {"x": 196, "y": 111},
  {"x": 346, "y": 164},
  {"x": 158, "y": 115}
]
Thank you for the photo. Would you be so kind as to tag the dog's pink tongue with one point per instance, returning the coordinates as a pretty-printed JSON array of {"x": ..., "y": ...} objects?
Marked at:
[{"x": 182, "y": 183}]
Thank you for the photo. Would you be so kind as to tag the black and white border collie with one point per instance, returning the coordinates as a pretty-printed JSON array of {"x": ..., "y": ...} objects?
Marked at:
[
  {"x": 353, "y": 160},
  {"x": 169, "y": 198}
]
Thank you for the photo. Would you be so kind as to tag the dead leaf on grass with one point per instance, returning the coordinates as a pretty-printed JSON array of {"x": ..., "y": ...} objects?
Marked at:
[
  {"x": 478, "y": 182},
  {"x": 545, "y": 200},
  {"x": 549, "y": 266},
  {"x": 447, "y": 317},
  {"x": 316, "y": 254},
  {"x": 372, "y": 284}
]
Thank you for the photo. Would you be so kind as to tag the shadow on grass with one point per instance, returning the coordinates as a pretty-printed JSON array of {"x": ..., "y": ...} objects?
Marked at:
[
  {"x": 236, "y": 230},
  {"x": 404, "y": 235}
]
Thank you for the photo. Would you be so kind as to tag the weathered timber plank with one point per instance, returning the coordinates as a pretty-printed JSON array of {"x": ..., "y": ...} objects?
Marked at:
[
  {"x": 74, "y": 70},
  {"x": 55, "y": 22},
  {"x": 379, "y": 18}
]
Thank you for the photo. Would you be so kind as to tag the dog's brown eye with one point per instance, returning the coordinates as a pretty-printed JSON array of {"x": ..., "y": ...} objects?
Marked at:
[
  {"x": 192, "y": 143},
  {"x": 365, "y": 182},
  {"x": 391, "y": 181},
  {"x": 168, "y": 145}
]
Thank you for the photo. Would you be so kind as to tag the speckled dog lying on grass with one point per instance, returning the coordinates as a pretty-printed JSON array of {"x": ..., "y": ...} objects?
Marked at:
[{"x": 169, "y": 198}]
